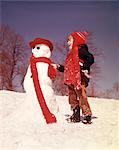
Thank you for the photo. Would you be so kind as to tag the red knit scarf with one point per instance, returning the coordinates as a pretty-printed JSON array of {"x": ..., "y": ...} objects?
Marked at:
[
  {"x": 72, "y": 68},
  {"x": 49, "y": 117}
]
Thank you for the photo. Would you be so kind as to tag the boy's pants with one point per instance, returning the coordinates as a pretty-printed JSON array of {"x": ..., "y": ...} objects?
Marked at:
[{"x": 82, "y": 102}]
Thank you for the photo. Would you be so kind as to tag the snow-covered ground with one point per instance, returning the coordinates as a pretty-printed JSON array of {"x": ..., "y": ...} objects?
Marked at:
[{"x": 20, "y": 130}]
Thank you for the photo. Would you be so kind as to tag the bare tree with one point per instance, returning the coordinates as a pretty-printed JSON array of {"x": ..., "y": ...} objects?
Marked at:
[
  {"x": 112, "y": 92},
  {"x": 58, "y": 85},
  {"x": 115, "y": 90},
  {"x": 95, "y": 68},
  {"x": 58, "y": 56},
  {"x": 13, "y": 58},
  {"x": 60, "y": 52}
]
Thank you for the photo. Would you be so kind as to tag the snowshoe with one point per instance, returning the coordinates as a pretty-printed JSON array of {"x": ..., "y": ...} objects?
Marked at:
[
  {"x": 87, "y": 120},
  {"x": 75, "y": 116}
]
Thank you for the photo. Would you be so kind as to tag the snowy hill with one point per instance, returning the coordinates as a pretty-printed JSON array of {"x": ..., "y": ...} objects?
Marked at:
[{"x": 20, "y": 131}]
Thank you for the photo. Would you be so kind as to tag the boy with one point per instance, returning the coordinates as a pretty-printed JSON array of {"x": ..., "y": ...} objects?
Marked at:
[{"x": 76, "y": 75}]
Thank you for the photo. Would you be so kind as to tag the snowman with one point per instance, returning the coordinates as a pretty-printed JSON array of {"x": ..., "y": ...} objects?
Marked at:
[{"x": 38, "y": 82}]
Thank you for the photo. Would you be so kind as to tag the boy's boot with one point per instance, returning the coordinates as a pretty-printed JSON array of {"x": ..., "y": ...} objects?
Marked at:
[
  {"x": 76, "y": 115},
  {"x": 87, "y": 120}
]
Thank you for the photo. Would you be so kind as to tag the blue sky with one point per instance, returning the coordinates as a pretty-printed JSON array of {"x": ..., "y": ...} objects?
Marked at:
[{"x": 54, "y": 20}]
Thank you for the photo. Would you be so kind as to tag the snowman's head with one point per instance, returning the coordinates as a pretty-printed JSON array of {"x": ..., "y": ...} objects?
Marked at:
[
  {"x": 41, "y": 50},
  {"x": 41, "y": 47}
]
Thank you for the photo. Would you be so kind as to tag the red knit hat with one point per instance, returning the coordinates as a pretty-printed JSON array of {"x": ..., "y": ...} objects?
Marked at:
[
  {"x": 79, "y": 37},
  {"x": 41, "y": 41}
]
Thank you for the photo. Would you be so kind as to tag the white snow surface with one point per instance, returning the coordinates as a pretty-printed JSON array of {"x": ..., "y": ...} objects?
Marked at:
[{"x": 20, "y": 129}]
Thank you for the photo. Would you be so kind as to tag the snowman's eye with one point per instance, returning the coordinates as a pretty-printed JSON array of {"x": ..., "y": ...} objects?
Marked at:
[
  {"x": 33, "y": 47},
  {"x": 38, "y": 48}
]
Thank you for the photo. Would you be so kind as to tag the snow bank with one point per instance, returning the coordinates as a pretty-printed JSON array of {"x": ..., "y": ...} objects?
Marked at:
[{"x": 20, "y": 130}]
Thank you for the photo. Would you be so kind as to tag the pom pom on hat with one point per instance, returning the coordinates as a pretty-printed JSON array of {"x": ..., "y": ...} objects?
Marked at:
[
  {"x": 83, "y": 35},
  {"x": 41, "y": 41}
]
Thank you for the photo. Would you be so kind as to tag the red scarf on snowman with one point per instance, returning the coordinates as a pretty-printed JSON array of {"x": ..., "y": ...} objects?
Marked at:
[
  {"x": 49, "y": 117},
  {"x": 72, "y": 67}
]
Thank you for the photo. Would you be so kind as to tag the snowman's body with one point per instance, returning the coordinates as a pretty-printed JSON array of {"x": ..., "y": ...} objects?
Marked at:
[{"x": 45, "y": 84}]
